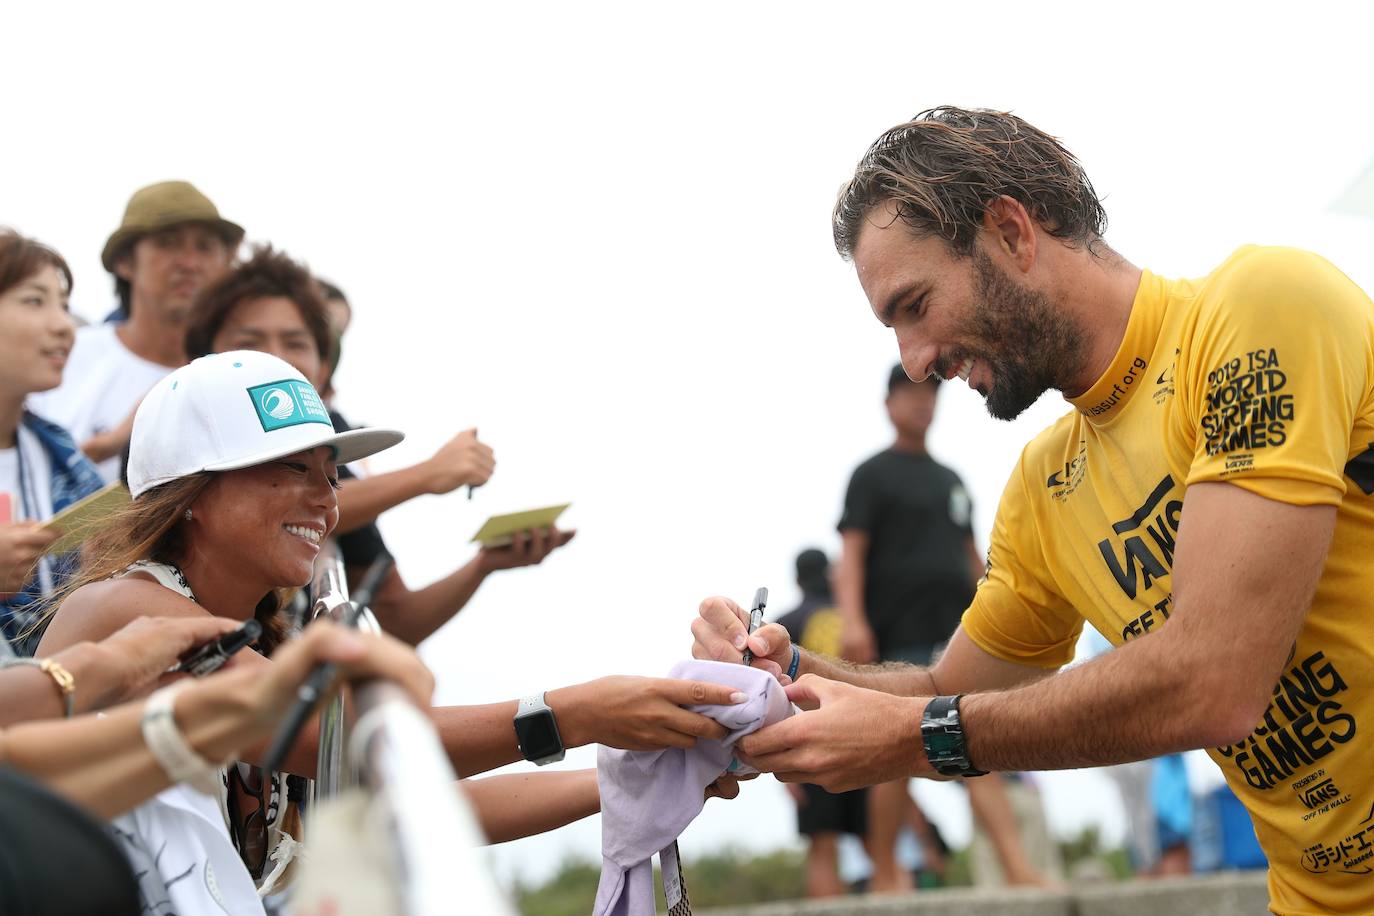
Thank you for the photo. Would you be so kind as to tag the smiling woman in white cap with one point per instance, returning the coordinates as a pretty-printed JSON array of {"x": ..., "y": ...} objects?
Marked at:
[
  {"x": 232, "y": 469},
  {"x": 232, "y": 473}
]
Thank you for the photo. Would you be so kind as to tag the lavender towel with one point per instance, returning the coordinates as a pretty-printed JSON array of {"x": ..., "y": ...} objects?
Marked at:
[{"x": 649, "y": 797}]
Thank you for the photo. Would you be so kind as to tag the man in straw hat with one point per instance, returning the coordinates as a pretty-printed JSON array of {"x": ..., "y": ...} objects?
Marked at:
[{"x": 171, "y": 244}]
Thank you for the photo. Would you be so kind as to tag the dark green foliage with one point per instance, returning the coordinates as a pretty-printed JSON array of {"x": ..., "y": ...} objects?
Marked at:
[
  {"x": 731, "y": 878},
  {"x": 721, "y": 878},
  {"x": 570, "y": 892}
]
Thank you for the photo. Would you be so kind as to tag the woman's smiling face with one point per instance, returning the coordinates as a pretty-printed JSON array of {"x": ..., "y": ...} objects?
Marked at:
[
  {"x": 36, "y": 333},
  {"x": 268, "y": 520}
]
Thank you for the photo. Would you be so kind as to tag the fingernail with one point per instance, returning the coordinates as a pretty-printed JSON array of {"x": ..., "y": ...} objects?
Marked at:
[
  {"x": 762, "y": 644},
  {"x": 741, "y": 641},
  {"x": 784, "y": 680},
  {"x": 738, "y": 698}
]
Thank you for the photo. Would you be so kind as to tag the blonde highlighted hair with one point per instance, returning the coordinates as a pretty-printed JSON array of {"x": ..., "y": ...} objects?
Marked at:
[{"x": 151, "y": 528}]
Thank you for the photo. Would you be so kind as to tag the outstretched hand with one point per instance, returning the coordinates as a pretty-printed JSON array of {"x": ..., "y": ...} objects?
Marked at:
[
  {"x": 136, "y": 657},
  {"x": 21, "y": 544},
  {"x": 527, "y": 548},
  {"x": 639, "y": 713},
  {"x": 852, "y": 737}
]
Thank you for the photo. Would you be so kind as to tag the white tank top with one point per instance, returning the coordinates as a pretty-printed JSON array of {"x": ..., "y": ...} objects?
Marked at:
[
  {"x": 167, "y": 575},
  {"x": 284, "y": 847}
]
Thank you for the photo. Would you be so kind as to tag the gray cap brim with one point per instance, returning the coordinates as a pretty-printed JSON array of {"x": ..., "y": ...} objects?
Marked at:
[{"x": 348, "y": 446}]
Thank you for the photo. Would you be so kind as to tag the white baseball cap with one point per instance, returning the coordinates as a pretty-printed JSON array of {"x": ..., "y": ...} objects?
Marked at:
[{"x": 234, "y": 410}]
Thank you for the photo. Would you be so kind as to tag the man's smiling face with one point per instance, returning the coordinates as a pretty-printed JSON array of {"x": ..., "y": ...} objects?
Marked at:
[{"x": 964, "y": 316}]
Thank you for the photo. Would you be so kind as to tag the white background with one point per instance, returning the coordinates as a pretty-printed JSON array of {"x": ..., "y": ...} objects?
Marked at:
[{"x": 599, "y": 232}]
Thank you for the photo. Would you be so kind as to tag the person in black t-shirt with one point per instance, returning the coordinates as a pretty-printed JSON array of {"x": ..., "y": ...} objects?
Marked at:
[
  {"x": 908, "y": 570},
  {"x": 821, "y": 816},
  {"x": 909, "y": 564}
]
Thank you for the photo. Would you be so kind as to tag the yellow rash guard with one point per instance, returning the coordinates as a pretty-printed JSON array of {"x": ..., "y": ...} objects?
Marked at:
[{"x": 1260, "y": 375}]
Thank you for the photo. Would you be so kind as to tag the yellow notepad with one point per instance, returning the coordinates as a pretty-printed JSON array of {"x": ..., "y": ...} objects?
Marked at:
[
  {"x": 76, "y": 522},
  {"x": 501, "y": 529}
]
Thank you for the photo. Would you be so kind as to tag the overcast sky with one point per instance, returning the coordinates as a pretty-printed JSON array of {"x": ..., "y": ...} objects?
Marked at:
[{"x": 599, "y": 232}]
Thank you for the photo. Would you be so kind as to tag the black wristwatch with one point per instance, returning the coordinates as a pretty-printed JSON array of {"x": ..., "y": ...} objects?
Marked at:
[
  {"x": 536, "y": 731},
  {"x": 942, "y": 734}
]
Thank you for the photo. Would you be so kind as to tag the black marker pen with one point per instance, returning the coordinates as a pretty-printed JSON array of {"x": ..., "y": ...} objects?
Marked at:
[
  {"x": 755, "y": 619},
  {"x": 212, "y": 656}
]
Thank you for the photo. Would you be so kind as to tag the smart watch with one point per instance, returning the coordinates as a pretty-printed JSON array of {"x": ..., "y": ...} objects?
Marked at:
[
  {"x": 942, "y": 734},
  {"x": 536, "y": 731}
]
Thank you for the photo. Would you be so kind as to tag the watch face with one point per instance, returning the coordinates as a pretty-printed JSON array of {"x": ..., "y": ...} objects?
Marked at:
[
  {"x": 538, "y": 735},
  {"x": 944, "y": 746}
]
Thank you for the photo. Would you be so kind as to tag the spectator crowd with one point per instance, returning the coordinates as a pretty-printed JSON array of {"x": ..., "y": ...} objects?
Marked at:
[
  {"x": 178, "y": 475},
  {"x": 225, "y": 522},
  {"x": 196, "y": 421}
]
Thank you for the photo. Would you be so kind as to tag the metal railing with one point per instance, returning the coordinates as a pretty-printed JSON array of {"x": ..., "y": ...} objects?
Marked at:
[
  {"x": 393, "y": 752},
  {"x": 330, "y": 590}
]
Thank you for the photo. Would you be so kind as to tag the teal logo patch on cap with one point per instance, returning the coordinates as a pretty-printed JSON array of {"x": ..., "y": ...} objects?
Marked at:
[{"x": 289, "y": 402}]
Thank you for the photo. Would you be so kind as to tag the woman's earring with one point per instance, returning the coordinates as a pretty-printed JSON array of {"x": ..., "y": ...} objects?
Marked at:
[{"x": 188, "y": 515}]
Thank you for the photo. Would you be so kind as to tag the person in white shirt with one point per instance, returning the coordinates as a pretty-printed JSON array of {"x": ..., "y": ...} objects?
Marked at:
[
  {"x": 171, "y": 244},
  {"x": 232, "y": 471},
  {"x": 41, "y": 471}
]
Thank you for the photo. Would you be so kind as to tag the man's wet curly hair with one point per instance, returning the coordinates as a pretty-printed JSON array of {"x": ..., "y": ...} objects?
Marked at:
[{"x": 944, "y": 167}]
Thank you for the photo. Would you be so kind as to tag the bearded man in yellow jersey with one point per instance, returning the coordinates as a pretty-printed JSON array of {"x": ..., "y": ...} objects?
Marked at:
[{"x": 1207, "y": 504}]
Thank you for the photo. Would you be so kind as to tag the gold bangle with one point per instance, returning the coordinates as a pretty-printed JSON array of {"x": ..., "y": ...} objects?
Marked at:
[{"x": 66, "y": 684}]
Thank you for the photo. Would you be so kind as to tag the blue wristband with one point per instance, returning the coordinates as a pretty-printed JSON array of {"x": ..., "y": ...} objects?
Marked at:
[{"x": 796, "y": 663}]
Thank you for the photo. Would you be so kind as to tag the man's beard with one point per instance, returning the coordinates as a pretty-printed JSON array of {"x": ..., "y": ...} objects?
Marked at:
[{"x": 1027, "y": 345}]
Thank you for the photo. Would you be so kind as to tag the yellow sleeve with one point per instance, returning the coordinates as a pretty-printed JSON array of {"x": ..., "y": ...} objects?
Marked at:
[
  {"x": 1017, "y": 613},
  {"x": 1278, "y": 368}
]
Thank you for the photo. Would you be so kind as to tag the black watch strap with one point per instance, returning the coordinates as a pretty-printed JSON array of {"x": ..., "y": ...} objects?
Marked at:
[{"x": 942, "y": 735}]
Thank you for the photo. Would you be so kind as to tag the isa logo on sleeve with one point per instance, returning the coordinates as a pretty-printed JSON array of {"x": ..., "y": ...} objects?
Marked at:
[{"x": 289, "y": 402}]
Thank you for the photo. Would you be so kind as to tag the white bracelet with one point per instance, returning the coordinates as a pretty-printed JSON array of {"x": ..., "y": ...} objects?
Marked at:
[{"x": 177, "y": 758}]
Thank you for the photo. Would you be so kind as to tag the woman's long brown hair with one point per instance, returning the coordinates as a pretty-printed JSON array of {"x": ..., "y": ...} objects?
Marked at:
[{"x": 150, "y": 528}]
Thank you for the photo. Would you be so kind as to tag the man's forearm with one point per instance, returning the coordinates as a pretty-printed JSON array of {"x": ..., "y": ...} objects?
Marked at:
[
  {"x": 888, "y": 677},
  {"x": 413, "y": 615},
  {"x": 1142, "y": 700},
  {"x": 362, "y": 499}
]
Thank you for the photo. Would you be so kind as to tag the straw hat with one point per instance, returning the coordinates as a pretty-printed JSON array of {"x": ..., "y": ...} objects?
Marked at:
[{"x": 158, "y": 206}]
